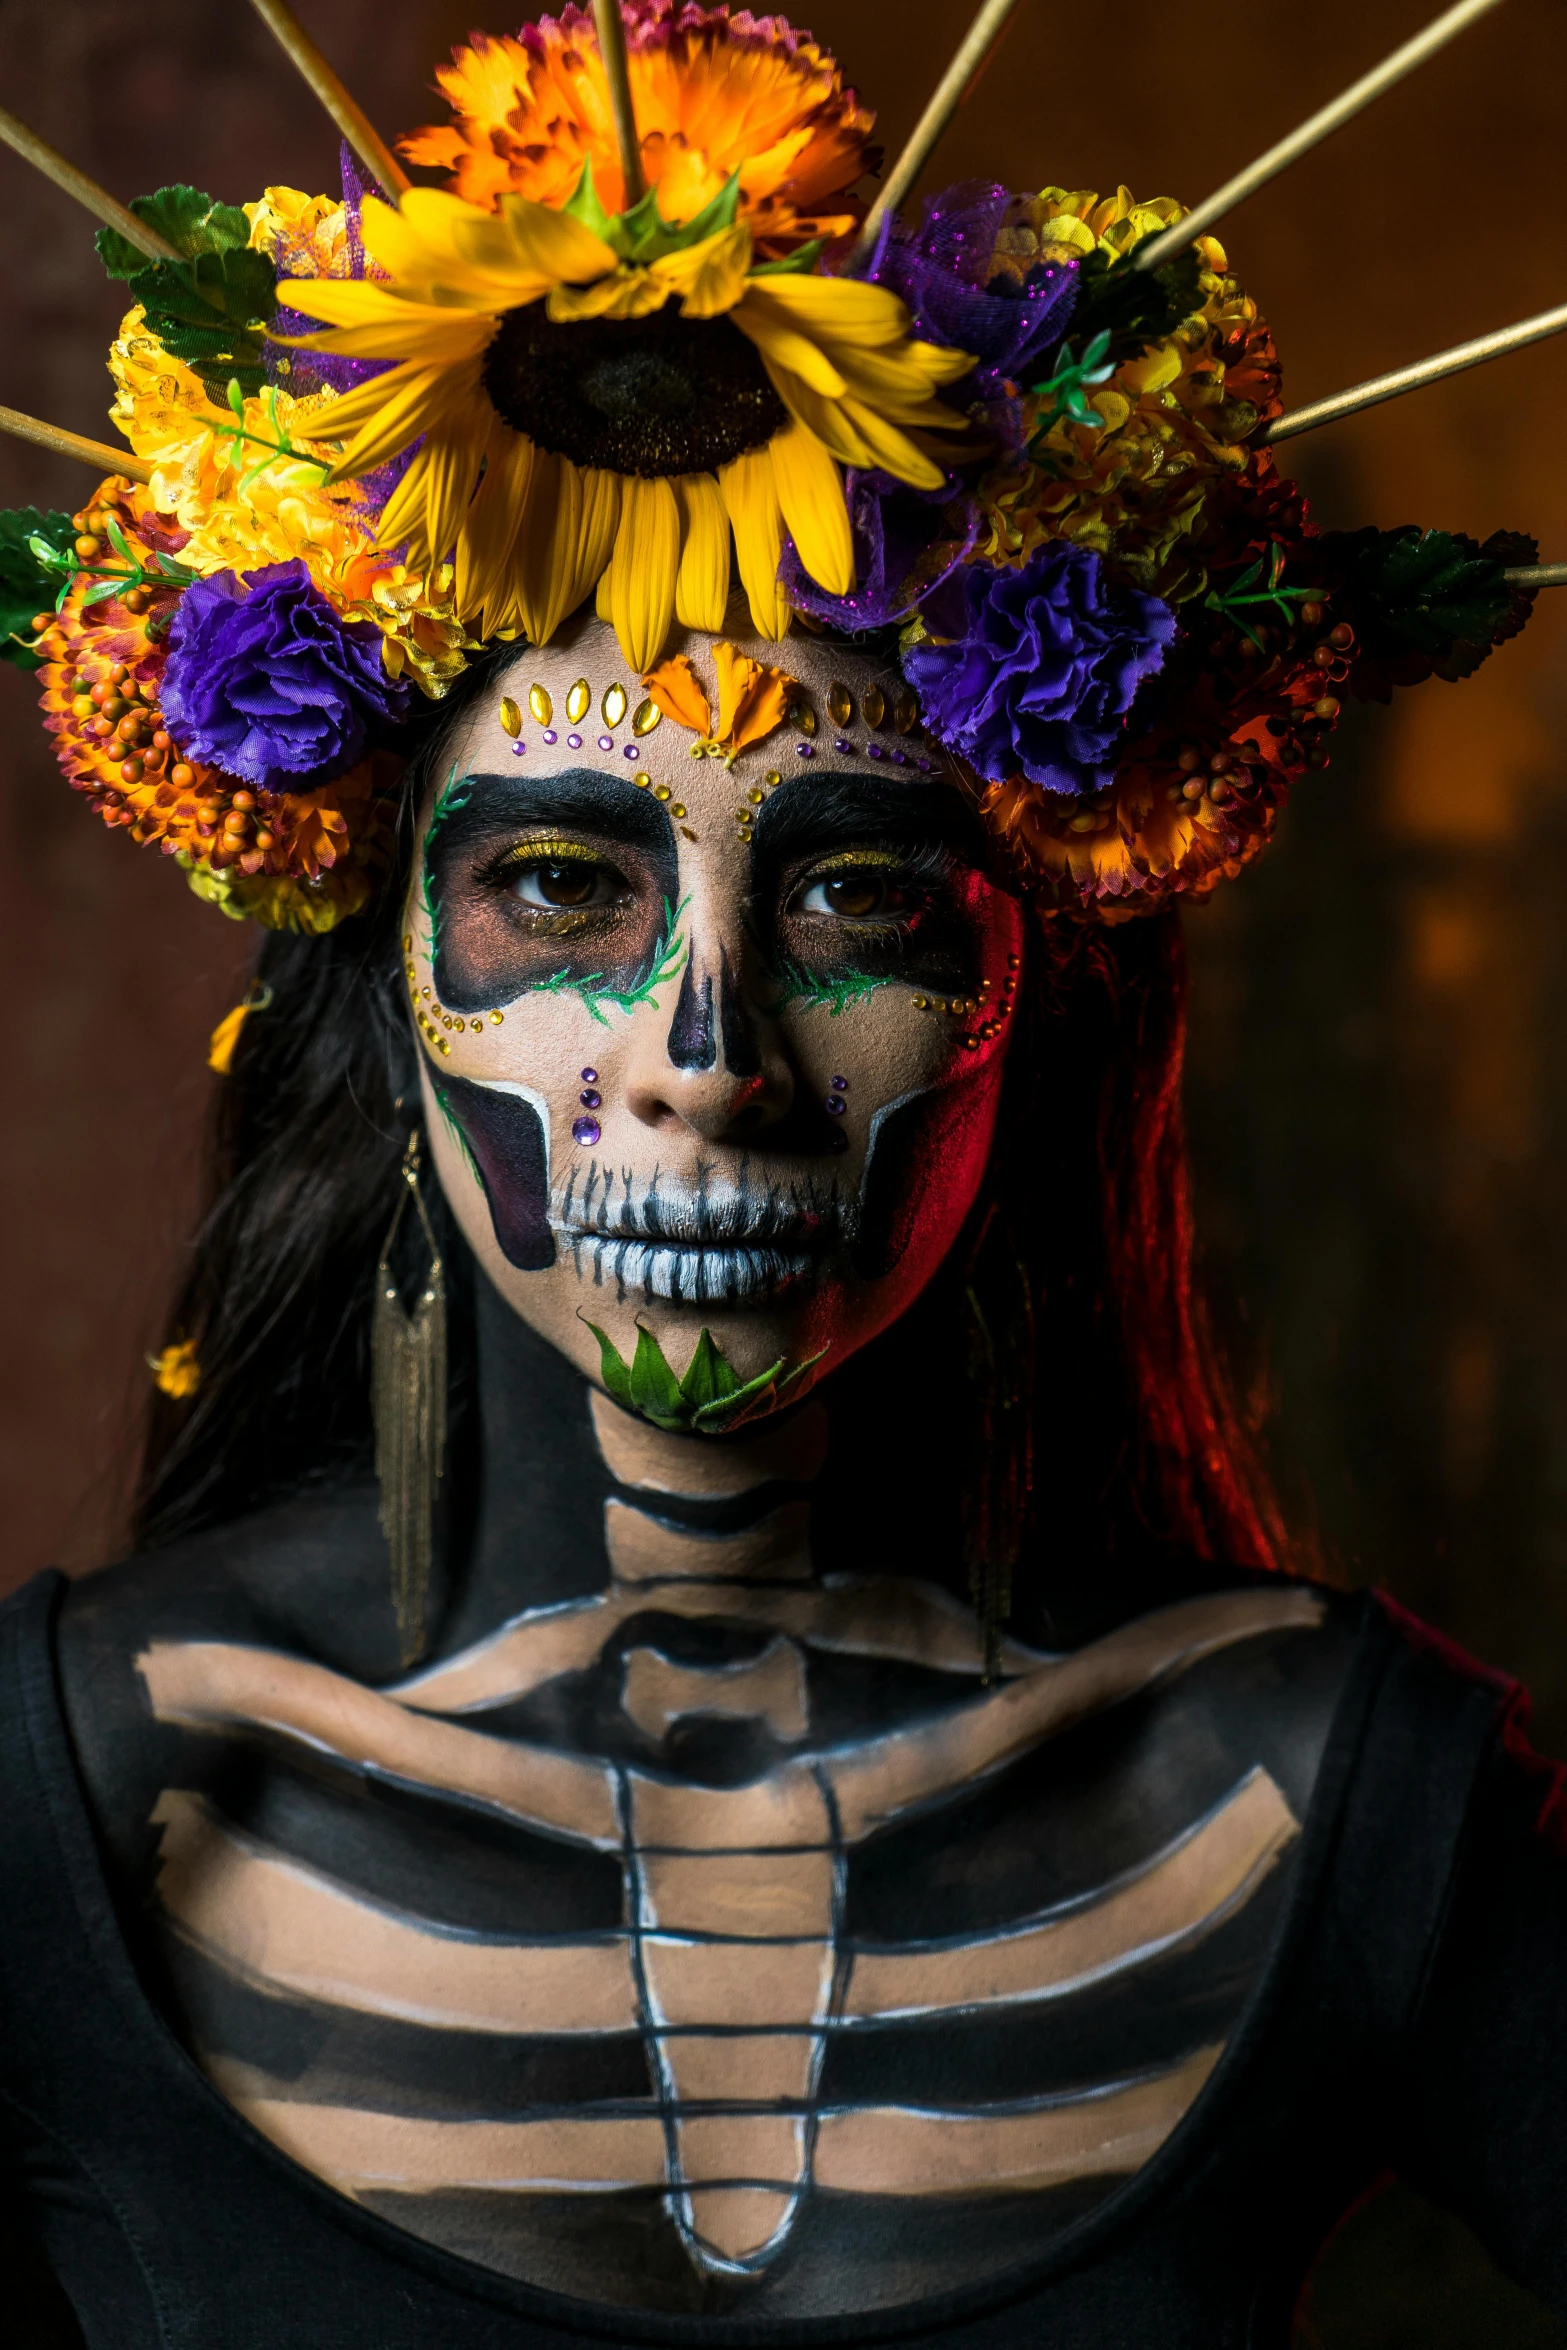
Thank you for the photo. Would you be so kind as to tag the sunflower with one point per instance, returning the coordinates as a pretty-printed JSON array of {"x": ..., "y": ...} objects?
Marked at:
[
  {"x": 603, "y": 398},
  {"x": 713, "y": 94}
]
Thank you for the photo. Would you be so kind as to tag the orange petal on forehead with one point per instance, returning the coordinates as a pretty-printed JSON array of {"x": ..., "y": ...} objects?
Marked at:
[
  {"x": 752, "y": 700},
  {"x": 677, "y": 690}
]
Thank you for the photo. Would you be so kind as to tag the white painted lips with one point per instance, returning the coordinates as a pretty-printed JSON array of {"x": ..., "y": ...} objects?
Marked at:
[{"x": 692, "y": 1272}]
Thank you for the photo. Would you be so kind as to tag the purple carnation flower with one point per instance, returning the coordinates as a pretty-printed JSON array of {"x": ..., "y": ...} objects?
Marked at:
[
  {"x": 1043, "y": 669},
  {"x": 265, "y": 681}
]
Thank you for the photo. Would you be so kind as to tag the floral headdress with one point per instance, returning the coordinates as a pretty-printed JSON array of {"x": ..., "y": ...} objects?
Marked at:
[{"x": 369, "y": 436}]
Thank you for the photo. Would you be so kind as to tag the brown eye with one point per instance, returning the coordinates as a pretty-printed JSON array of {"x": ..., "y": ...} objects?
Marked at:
[
  {"x": 854, "y": 897},
  {"x": 565, "y": 883}
]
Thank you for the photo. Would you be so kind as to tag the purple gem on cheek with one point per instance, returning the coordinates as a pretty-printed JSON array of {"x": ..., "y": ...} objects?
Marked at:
[
  {"x": 586, "y": 1131},
  {"x": 839, "y": 1084},
  {"x": 591, "y": 1098},
  {"x": 836, "y": 1104},
  {"x": 590, "y": 1077}
]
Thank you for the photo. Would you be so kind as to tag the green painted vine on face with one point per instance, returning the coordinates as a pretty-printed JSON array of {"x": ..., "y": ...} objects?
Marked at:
[
  {"x": 796, "y": 986},
  {"x": 663, "y": 965},
  {"x": 451, "y": 796}
]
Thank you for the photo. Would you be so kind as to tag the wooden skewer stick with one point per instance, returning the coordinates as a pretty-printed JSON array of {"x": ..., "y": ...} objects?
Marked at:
[
  {"x": 1410, "y": 379},
  {"x": 612, "y": 48},
  {"x": 98, "y": 454},
  {"x": 1537, "y": 575},
  {"x": 950, "y": 92},
  {"x": 1155, "y": 250},
  {"x": 97, "y": 201},
  {"x": 350, "y": 118}
]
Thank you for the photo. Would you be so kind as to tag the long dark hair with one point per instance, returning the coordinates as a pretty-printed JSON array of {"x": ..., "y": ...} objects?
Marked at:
[{"x": 1136, "y": 1429}]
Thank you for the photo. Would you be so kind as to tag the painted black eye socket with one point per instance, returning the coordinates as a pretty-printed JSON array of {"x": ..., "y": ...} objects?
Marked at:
[
  {"x": 566, "y": 883},
  {"x": 855, "y": 897}
]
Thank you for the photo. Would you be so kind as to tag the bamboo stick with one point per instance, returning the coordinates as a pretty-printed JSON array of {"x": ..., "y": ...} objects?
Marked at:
[
  {"x": 1537, "y": 575},
  {"x": 950, "y": 92},
  {"x": 350, "y": 118},
  {"x": 1321, "y": 125},
  {"x": 612, "y": 48},
  {"x": 74, "y": 444},
  {"x": 1411, "y": 379},
  {"x": 96, "y": 200}
]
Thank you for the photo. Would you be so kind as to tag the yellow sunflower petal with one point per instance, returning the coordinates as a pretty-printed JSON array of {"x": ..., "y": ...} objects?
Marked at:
[
  {"x": 545, "y": 542},
  {"x": 489, "y": 529},
  {"x": 827, "y": 419},
  {"x": 401, "y": 520},
  {"x": 602, "y": 606},
  {"x": 843, "y": 310},
  {"x": 778, "y": 339},
  {"x": 644, "y": 568},
  {"x": 435, "y": 240},
  {"x": 892, "y": 450},
  {"x": 603, "y": 495},
  {"x": 702, "y": 584},
  {"x": 411, "y": 400},
  {"x": 810, "y": 491},
  {"x": 450, "y": 476},
  {"x": 709, "y": 276},
  {"x": 630, "y": 293},
  {"x": 751, "y": 496}
]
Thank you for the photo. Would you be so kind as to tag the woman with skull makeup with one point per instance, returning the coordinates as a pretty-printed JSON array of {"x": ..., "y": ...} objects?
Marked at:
[{"x": 709, "y": 1736}]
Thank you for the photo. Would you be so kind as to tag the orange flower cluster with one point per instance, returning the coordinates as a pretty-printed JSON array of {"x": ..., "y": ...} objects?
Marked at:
[
  {"x": 714, "y": 93},
  {"x": 1234, "y": 721},
  {"x": 288, "y": 859}
]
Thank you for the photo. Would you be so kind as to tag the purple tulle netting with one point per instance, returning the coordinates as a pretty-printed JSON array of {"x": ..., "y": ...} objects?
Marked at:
[
  {"x": 303, "y": 372},
  {"x": 908, "y": 542}
]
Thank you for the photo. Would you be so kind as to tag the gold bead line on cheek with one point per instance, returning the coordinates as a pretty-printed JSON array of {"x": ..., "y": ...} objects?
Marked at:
[
  {"x": 430, "y": 1015},
  {"x": 995, "y": 1010}
]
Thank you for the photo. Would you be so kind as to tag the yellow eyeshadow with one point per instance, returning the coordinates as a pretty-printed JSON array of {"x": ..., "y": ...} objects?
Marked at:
[
  {"x": 860, "y": 861},
  {"x": 550, "y": 852}
]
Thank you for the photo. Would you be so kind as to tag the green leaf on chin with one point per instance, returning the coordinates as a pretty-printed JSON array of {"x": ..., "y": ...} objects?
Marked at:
[{"x": 708, "y": 1401}]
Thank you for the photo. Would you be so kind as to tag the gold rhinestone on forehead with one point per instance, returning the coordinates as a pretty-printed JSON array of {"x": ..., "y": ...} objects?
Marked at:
[
  {"x": 511, "y": 716},
  {"x": 840, "y": 703},
  {"x": 579, "y": 697},
  {"x": 540, "y": 704},
  {"x": 873, "y": 705},
  {"x": 646, "y": 717},
  {"x": 613, "y": 706}
]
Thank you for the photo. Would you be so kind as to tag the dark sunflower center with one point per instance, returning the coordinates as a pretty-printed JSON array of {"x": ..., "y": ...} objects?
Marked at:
[{"x": 654, "y": 395}]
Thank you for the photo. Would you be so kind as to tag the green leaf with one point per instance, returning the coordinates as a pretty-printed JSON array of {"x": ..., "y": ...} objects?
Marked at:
[
  {"x": 612, "y": 1368},
  {"x": 798, "y": 263},
  {"x": 655, "y": 1391},
  {"x": 99, "y": 589},
  {"x": 708, "y": 1379},
  {"x": 1415, "y": 591},
  {"x": 209, "y": 311},
  {"x": 643, "y": 234},
  {"x": 1133, "y": 307},
  {"x": 29, "y": 583},
  {"x": 191, "y": 222}
]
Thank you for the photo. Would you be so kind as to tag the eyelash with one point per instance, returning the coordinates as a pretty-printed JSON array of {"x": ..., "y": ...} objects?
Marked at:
[{"x": 923, "y": 870}]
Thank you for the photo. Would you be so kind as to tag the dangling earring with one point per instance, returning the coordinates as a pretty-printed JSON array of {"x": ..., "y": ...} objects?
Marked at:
[
  {"x": 408, "y": 1403},
  {"x": 998, "y": 1303}
]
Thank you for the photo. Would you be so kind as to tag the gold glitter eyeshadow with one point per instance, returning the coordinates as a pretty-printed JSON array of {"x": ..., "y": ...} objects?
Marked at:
[
  {"x": 511, "y": 717},
  {"x": 540, "y": 704},
  {"x": 873, "y": 705},
  {"x": 840, "y": 703},
  {"x": 578, "y": 698},
  {"x": 646, "y": 717},
  {"x": 613, "y": 706}
]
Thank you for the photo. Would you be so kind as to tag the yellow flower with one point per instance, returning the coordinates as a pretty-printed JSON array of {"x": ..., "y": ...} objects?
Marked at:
[
  {"x": 176, "y": 1371},
  {"x": 1174, "y": 417},
  {"x": 252, "y": 490},
  {"x": 601, "y": 405},
  {"x": 710, "y": 98}
]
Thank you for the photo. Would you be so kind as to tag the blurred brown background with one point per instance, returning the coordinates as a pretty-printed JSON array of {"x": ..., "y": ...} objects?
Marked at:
[{"x": 1379, "y": 1082}]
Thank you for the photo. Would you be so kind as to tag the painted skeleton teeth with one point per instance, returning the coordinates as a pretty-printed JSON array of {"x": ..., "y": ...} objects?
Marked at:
[{"x": 693, "y": 1274}]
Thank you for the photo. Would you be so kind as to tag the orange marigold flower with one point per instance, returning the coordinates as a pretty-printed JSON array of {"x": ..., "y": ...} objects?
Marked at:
[
  {"x": 298, "y": 860},
  {"x": 715, "y": 92}
]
